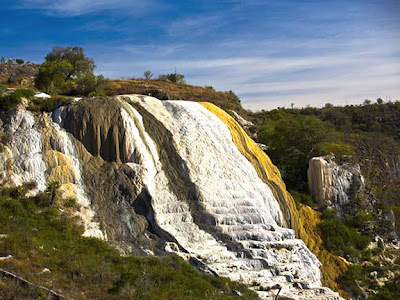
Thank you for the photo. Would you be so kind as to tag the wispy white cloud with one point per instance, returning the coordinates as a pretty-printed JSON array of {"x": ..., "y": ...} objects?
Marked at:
[
  {"x": 354, "y": 74},
  {"x": 69, "y": 8}
]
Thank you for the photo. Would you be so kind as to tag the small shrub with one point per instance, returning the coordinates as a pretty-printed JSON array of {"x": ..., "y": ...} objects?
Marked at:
[
  {"x": 13, "y": 99},
  {"x": 19, "y": 61},
  {"x": 48, "y": 104},
  {"x": 173, "y": 77},
  {"x": 97, "y": 94}
]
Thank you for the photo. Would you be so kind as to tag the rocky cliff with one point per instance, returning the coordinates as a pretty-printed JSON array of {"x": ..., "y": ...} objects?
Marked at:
[
  {"x": 155, "y": 176},
  {"x": 331, "y": 184}
]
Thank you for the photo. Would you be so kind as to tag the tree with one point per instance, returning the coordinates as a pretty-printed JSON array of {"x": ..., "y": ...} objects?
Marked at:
[
  {"x": 366, "y": 102},
  {"x": 63, "y": 66},
  {"x": 81, "y": 64},
  {"x": 51, "y": 77},
  {"x": 88, "y": 83},
  {"x": 148, "y": 74},
  {"x": 3, "y": 60},
  {"x": 379, "y": 101},
  {"x": 293, "y": 139},
  {"x": 19, "y": 61},
  {"x": 173, "y": 77}
]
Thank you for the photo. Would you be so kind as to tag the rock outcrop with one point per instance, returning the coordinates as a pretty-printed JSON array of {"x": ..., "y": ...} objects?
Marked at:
[
  {"x": 18, "y": 74},
  {"x": 333, "y": 185}
]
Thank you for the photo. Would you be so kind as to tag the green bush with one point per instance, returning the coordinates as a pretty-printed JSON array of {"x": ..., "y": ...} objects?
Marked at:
[
  {"x": 88, "y": 84},
  {"x": 13, "y": 99},
  {"x": 173, "y": 77},
  {"x": 293, "y": 140},
  {"x": 342, "y": 151},
  {"x": 48, "y": 104},
  {"x": 97, "y": 94},
  {"x": 341, "y": 238}
]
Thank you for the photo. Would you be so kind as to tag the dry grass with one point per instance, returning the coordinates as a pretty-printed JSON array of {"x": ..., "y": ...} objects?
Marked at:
[{"x": 174, "y": 91}]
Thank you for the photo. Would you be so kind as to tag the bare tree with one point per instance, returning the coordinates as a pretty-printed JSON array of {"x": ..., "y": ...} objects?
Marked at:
[{"x": 148, "y": 74}]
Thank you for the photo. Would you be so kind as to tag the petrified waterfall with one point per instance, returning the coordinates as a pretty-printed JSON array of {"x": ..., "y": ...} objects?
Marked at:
[{"x": 152, "y": 176}]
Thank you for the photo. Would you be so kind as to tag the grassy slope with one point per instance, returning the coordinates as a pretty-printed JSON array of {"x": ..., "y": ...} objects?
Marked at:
[
  {"x": 41, "y": 237},
  {"x": 174, "y": 91}
]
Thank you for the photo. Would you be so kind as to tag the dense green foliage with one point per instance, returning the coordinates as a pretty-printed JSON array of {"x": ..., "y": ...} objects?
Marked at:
[
  {"x": 293, "y": 139},
  {"x": 301, "y": 197},
  {"x": 52, "y": 76},
  {"x": 81, "y": 64},
  {"x": 89, "y": 83},
  {"x": 357, "y": 276},
  {"x": 341, "y": 237},
  {"x": 68, "y": 70},
  {"x": 38, "y": 236},
  {"x": 367, "y": 134}
]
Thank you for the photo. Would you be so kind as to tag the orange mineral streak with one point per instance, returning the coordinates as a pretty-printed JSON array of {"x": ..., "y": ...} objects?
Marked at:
[{"x": 303, "y": 219}]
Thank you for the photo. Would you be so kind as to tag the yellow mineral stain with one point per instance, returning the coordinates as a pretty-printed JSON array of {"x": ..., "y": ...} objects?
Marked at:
[
  {"x": 303, "y": 219},
  {"x": 63, "y": 174},
  {"x": 55, "y": 158},
  {"x": 67, "y": 190}
]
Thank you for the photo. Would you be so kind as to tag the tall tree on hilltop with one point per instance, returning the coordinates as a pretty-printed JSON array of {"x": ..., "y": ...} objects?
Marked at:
[
  {"x": 81, "y": 64},
  {"x": 68, "y": 69}
]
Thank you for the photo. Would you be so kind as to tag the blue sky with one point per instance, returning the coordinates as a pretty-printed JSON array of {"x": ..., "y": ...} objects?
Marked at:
[{"x": 271, "y": 53}]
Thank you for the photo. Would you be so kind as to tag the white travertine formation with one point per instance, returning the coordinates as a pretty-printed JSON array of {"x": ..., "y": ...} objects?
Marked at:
[
  {"x": 22, "y": 159},
  {"x": 245, "y": 240},
  {"x": 171, "y": 214}
]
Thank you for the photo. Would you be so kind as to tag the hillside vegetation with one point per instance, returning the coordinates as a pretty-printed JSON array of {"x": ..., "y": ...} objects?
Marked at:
[
  {"x": 47, "y": 248},
  {"x": 367, "y": 135}
]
